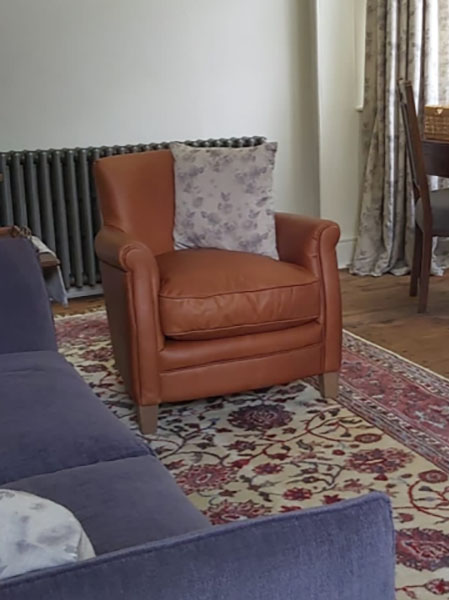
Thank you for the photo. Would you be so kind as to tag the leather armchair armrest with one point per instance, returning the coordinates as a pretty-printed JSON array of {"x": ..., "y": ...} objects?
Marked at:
[
  {"x": 115, "y": 248},
  {"x": 121, "y": 251},
  {"x": 302, "y": 240},
  {"x": 311, "y": 243},
  {"x": 131, "y": 284}
]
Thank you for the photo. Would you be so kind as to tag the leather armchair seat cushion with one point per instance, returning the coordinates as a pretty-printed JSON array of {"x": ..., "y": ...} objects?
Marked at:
[{"x": 206, "y": 294}]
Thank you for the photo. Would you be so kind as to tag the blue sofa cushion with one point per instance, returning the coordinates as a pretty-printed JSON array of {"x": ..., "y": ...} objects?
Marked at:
[
  {"x": 343, "y": 551},
  {"x": 50, "y": 419},
  {"x": 26, "y": 322},
  {"x": 120, "y": 503}
]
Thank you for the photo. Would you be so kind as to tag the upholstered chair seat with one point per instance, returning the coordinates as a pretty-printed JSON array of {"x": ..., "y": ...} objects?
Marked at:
[
  {"x": 439, "y": 204},
  {"x": 188, "y": 324},
  {"x": 208, "y": 294}
]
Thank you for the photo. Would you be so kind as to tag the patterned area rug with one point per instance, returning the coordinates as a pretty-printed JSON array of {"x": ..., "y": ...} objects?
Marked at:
[{"x": 285, "y": 448}]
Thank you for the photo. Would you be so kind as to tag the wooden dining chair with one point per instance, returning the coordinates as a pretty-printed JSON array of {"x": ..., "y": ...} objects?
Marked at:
[{"x": 431, "y": 207}]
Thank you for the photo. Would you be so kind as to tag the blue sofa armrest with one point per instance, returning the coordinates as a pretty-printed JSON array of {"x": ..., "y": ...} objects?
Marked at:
[
  {"x": 343, "y": 551},
  {"x": 26, "y": 321}
]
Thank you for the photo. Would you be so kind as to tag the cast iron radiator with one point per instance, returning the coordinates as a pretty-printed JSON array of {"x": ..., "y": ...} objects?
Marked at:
[{"x": 53, "y": 193}]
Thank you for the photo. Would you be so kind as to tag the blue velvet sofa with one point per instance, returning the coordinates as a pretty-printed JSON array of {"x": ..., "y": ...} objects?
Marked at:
[{"x": 57, "y": 440}]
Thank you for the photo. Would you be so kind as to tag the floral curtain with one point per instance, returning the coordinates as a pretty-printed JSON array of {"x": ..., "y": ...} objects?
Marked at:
[{"x": 408, "y": 39}]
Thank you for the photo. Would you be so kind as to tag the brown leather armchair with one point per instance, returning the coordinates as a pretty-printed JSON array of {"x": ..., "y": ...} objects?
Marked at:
[{"x": 195, "y": 323}]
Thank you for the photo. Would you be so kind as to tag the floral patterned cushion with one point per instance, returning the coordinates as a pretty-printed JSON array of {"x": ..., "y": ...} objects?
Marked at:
[
  {"x": 224, "y": 198},
  {"x": 37, "y": 533}
]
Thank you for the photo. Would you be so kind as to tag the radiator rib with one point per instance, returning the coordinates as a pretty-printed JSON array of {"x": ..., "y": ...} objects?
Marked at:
[
  {"x": 6, "y": 209},
  {"x": 31, "y": 196},
  {"x": 53, "y": 193},
  {"x": 45, "y": 200},
  {"x": 18, "y": 191},
  {"x": 87, "y": 230},
  {"x": 73, "y": 220}
]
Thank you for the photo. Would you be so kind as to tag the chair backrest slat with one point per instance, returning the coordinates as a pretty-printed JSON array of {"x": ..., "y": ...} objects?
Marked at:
[{"x": 414, "y": 149}]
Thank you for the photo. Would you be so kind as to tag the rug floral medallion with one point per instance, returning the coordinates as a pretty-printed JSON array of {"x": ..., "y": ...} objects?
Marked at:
[{"x": 285, "y": 448}]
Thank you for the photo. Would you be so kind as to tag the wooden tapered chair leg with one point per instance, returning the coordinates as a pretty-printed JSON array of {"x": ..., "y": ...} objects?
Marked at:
[
  {"x": 417, "y": 259},
  {"x": 329, "y": 385},
  {"x": 426, "y": 260},
  {"x": 147, "y": 417}
]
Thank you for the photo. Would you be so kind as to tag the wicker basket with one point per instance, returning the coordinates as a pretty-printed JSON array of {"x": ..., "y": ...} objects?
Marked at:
[{"x": 436, "y": 123}]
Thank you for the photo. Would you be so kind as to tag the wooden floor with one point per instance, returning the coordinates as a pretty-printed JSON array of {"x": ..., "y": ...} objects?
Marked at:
[
  {"x": 379, "y": 309},
  {"x": 79, "y": 305}
]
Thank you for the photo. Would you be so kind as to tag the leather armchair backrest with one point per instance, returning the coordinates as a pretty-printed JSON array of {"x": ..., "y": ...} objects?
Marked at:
[{"x": 136, "y": 195}]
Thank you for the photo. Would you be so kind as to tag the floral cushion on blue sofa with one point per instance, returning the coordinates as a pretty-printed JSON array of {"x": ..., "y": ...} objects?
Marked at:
[{"x": 37, "y": 533}]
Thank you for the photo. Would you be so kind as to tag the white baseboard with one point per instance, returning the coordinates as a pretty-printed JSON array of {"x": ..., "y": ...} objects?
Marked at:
[{"x": 345, "y": 251}]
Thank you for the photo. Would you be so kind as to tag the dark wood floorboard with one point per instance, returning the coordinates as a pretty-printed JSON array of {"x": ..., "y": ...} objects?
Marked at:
[
  {"x": 379, "y": 309},
  {"x": 79, "y": 305}
]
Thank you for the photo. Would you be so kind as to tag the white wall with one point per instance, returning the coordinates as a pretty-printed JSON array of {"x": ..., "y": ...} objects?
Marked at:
[
  {"x": 93, "y": 72},
  {"x": 338, "y": 73}
]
